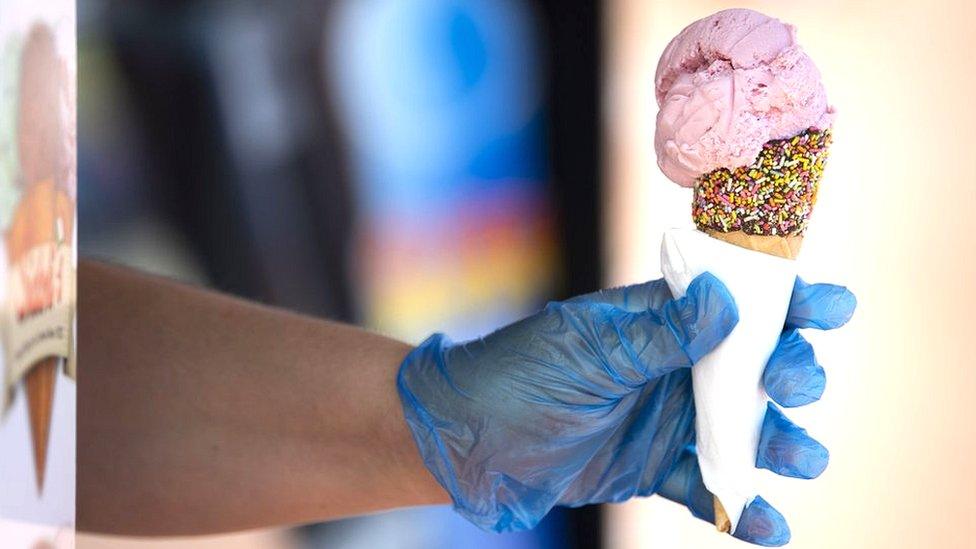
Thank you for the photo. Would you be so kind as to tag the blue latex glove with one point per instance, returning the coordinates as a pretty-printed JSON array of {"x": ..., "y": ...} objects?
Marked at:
[{"x": 590, "y": 401}]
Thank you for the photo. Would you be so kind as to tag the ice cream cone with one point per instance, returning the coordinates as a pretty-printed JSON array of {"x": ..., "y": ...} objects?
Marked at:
[
  {"x": 43, "y": 219},
  {"x": 744, "y": 120},
  {"x": 39, "y": 384}
]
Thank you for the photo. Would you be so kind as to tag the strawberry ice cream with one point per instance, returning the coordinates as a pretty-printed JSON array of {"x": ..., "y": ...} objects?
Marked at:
[{"x": 726, "y": 85}]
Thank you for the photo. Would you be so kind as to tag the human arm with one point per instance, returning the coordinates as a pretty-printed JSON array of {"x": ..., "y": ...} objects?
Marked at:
[
  {"x": 200, "y": 413},
  {"x": 586, "y": 401}
]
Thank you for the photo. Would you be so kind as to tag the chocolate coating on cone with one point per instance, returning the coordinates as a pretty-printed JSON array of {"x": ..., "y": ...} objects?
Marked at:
[{"x": 774, "y": 196}]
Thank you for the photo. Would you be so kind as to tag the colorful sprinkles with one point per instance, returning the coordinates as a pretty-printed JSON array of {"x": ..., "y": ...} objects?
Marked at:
[{"x": 773, "y": 196}]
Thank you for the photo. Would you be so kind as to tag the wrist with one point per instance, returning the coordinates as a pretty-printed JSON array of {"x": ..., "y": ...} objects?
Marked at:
[{"x": 417, "y": 481}]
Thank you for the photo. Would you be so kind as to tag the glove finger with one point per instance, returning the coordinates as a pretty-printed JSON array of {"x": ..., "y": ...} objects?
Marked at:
[
  {"x": 792, "y": 376},
  {"x": 635, "y": 298},
  {"x": 684, "y": 485},
  {"x": 786, "y": 449},
  {"x": 680, "y": 332},
  {"x": 821, "y": 306},
  {"x": 761, "y": 524}
]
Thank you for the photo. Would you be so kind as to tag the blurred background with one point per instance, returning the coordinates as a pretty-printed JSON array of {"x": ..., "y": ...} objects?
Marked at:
[
  {"x": 410, "y": 166},
  {"x": 420, "y": 165}
]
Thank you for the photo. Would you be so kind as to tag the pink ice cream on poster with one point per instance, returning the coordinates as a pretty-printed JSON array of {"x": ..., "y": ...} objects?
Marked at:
[{"x": 726, "y": 85}]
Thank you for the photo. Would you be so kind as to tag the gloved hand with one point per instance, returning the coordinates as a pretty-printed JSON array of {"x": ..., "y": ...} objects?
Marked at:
[{"x": 590, "y": 401}]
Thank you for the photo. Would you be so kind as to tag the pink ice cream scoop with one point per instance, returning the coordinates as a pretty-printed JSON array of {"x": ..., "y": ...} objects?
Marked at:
[{"x": 726, "y": 85}]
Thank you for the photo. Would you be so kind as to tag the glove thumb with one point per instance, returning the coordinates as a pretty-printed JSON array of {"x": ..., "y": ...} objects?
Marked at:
[{"x": 681, "y": 331}]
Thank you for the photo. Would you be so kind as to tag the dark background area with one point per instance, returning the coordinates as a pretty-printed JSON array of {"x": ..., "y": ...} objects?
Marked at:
[{"x": 184, "y": 172}]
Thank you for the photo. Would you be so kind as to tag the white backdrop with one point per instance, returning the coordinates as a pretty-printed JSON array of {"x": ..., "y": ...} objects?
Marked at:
[{"x": 894, "y": 223}]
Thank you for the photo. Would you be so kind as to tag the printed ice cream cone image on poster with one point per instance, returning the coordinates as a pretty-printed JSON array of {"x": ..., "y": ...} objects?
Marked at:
[
  {"x": 744, "y": 121},
  {"x": 37, "y": 256},
  {"x": 39, "y": 236}
]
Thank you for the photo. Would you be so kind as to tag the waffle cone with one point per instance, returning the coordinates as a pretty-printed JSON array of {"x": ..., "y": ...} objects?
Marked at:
[
  {"x": 781, "y": 246},
  {"x": 722, "y": 521},
  {"x": 787, "y": 247},
  {"x": 39, "y": 383}
]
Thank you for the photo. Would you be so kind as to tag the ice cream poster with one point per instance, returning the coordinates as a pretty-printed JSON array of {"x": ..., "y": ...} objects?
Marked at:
[{"x": 37, "y": 272}]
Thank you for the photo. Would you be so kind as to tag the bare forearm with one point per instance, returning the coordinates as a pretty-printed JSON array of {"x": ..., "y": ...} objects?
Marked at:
[{"x": 200, "y": 413}]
